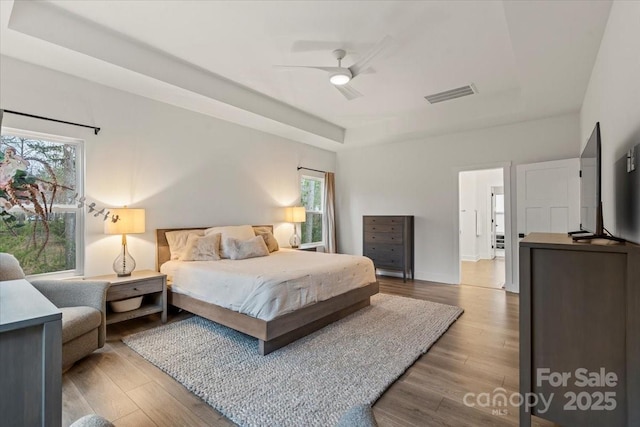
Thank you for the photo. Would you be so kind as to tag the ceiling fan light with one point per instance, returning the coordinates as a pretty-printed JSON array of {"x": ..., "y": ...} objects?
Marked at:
[{"x": 339, "y": 78}]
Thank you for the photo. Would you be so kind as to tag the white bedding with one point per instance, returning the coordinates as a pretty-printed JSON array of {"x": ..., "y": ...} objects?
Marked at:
[{"x": 270, "y": 286}]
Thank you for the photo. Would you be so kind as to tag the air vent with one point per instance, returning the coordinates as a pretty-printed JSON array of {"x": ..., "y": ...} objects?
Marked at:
[{"x": 451, "y": 94}]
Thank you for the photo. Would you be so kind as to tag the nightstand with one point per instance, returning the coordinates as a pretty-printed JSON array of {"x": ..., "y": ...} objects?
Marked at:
[
  {"x": 150, "y": 284},
  {"x": 307, "y": 248}
]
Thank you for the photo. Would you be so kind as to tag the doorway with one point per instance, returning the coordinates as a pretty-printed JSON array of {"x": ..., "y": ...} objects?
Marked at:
[{"x": 482, "y": 228}]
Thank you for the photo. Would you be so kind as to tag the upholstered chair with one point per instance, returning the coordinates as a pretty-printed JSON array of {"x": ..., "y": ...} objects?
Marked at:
[{"x": 83, "y": 306}]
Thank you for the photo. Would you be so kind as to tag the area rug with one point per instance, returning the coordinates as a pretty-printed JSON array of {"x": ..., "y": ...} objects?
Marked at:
[{"x": 310, "y": 382}]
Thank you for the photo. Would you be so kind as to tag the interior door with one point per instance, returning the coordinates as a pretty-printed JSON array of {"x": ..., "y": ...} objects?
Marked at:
[{"x": 548, "y": 198}]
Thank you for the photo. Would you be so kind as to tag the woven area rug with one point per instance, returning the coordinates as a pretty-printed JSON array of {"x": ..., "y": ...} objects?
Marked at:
[{"x": 310, "y": 382}]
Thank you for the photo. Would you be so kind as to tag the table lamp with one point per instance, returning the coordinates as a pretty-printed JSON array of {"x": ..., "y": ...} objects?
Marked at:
[
  {"x": 130, "y": 221},
  {"x": 295, "y": 215}
]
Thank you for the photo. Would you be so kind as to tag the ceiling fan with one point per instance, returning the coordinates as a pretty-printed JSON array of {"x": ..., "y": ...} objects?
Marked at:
[{"x": 340, "y": 76}]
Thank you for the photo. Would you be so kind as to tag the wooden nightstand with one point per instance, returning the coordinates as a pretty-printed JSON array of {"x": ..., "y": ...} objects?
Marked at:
[{"x": 151, "y": 284}]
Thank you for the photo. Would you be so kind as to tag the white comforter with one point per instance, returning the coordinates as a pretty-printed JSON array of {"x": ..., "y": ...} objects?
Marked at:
[{"x": 270, "y": 286}]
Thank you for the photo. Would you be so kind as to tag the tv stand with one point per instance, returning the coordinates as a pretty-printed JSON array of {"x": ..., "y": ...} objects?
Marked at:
[
  {"x": 600, "y": 231},
  {"x": 590, "y": 237},
  {"x": 579, "y": 308}
]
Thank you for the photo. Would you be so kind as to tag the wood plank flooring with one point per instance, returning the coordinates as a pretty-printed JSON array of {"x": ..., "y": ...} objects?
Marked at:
[
  {"x": 489, "y": 273},
  {"x": 477, "y": 354}
]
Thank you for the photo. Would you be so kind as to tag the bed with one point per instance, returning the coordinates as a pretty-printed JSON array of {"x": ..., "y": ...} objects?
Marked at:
[{"x": 197, "y": 287}]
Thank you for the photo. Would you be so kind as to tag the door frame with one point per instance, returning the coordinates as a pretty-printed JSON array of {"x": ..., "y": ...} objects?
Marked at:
[{"x": 509, "y": 209}]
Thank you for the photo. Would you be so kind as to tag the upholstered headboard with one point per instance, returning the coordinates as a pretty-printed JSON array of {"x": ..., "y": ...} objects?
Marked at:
[{"x": 162, "y": 246}]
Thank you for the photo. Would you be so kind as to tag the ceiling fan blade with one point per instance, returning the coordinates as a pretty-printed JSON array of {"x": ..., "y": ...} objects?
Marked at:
[
  {"x": 363, "y": 64},
  {"x": 327, "y": 69},
  {"x": 348, "y": 92}
]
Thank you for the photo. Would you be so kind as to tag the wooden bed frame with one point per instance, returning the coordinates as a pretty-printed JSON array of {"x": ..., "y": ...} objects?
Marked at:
[{"x": 280, "y": 331}]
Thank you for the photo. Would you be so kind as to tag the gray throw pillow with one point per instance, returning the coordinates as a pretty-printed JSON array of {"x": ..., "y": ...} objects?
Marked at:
[
  {"x": 243, "y": 249},
  {"x": 358, "y": 416},
  {"x": 92, "y": 420}
]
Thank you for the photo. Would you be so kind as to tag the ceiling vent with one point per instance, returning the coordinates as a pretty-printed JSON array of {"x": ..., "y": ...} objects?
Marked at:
[{"x": 451, "y": 94}]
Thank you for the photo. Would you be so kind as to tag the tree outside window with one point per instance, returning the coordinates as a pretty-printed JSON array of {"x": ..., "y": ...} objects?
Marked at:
[
  {"x": 311, "y": 197},
  {"x": 39, "y": 217}
]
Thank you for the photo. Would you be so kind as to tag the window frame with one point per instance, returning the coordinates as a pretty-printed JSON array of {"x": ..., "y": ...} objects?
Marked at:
[
  {"x": 321, "y": 212},
  {"x": 80, "y": 211}
]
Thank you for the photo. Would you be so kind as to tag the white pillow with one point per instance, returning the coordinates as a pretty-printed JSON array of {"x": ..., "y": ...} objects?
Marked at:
[
  {"x": 240, "y": 232},
  {"x": 178, "y": 240},
  {"x": 243, "y": 249},
  {"x": 202, "y": 248}
]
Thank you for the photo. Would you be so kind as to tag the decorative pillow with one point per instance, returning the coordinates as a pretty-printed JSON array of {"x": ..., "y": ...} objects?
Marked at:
[
  {"x": 202, "y": 248},
  {"x": 178, "y": 240},
  {"x": 240, "y": 232},
  {"x": 359, "y": 415},
  {"x": 10, "y": 268},
  {"x": 269, "y": 239},
  {"x": 261, "y": 230},
  {"x": 243, "y": 249}
]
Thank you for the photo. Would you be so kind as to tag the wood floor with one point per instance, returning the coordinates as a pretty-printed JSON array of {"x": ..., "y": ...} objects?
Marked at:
[
  {"x": 488, "y": 273},
  {"x": 477, "y": 354}
]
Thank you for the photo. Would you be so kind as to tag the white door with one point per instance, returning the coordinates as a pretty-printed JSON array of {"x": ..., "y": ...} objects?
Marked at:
[{"x": 548, "y": 198}]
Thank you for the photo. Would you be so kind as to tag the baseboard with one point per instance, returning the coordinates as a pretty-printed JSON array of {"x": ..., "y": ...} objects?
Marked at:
[
  {"x": 472, "y": 258},
  {"x": 421, "y": 275}
]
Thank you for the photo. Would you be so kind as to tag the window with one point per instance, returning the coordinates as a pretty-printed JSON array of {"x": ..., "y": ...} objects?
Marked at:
[
  {"x": 312, "y": 198},
  {"x": 40, "y": 221}
]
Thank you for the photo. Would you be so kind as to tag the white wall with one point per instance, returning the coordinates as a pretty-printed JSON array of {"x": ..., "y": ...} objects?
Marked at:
[
  {"x": 613, "y": 96},
  {"x": 185, "y": 168},
  {"x": 475, "y": 196},
  {"x": 419, "y": 177}
]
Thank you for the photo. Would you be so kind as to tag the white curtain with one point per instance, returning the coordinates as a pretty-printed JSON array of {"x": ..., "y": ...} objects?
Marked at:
[{"x": 329, "y": 217}]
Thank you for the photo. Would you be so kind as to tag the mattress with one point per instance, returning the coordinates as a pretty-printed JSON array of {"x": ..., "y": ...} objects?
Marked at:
[{"x": 270, "y": 286}]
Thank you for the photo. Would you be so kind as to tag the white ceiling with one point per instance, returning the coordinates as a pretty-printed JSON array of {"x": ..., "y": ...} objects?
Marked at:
[{"x": 528, "y": 59}]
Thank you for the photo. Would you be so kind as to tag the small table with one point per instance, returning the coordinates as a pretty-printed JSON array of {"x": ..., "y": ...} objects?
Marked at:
[{"x": 148, "y": 283}]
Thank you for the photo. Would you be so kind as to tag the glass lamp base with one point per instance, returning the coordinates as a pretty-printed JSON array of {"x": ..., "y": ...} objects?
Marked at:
[
  {"x": 124, "y": 263},
  {"x": 294, "y": 240}
]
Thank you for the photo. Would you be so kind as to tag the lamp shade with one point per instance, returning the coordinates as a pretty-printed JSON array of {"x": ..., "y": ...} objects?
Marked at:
[
  {"x": 130, "y": 221},
  {"x": 296, "y": 214}
]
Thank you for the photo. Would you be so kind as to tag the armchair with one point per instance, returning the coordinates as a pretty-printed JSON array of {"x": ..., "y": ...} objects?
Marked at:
[{"x": 83, "y": 306}]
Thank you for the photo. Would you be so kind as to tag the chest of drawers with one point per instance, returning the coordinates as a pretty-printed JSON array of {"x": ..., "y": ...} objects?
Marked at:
[{"x": 388, "y": 241}]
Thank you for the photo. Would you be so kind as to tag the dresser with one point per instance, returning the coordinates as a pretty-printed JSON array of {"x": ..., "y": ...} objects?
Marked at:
[
  {"x": 580, "y": 318},
  {"x": 30, "y": 357},
  {"x": 388, "y": 241}
]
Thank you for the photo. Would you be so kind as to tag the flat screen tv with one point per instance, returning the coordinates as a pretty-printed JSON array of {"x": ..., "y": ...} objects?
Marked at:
[
  {"x": 591, "y": 191},
  {"x": 590, "y": 185}
]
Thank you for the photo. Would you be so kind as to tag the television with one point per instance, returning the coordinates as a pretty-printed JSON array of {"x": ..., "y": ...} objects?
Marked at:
[
  {"x": 591, "y": 191},
  {"x": 590, "y": 185},
  {"x": 627, "y": 190}
]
